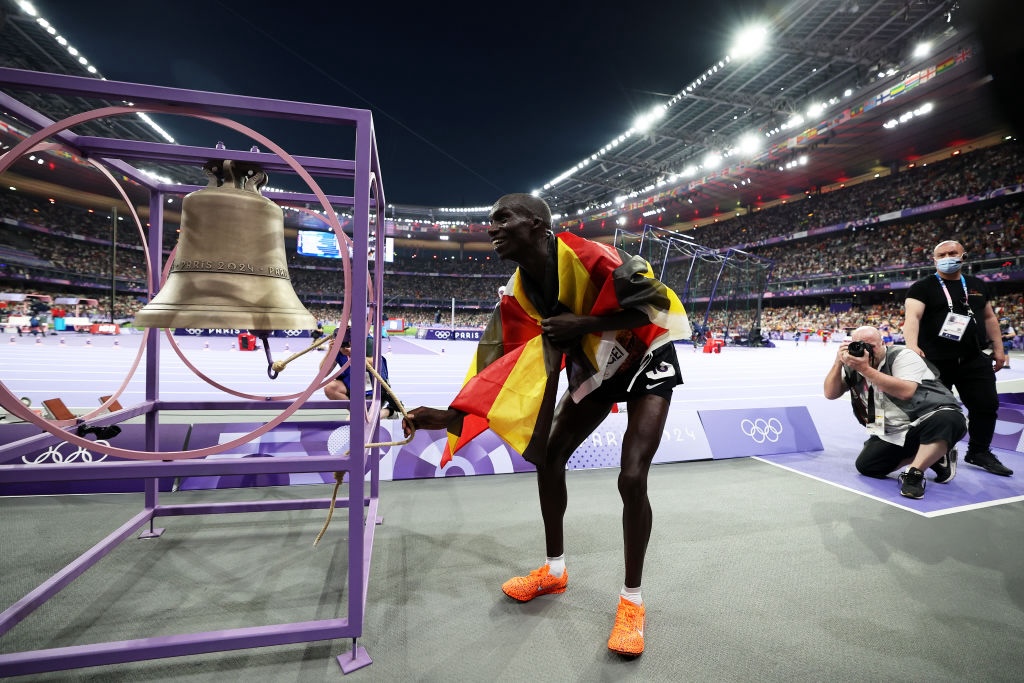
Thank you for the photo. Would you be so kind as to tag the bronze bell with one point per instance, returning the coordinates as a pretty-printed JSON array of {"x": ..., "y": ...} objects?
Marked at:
[{"x": 230, "y": 270}]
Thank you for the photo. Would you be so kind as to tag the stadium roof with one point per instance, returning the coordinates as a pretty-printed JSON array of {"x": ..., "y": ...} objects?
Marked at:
[
  {"x": 28, "y": 43},
  {"x": 805, "y": 109},
  {"x": 813, "y": 105},
  {"x": 811, "y": 101}
]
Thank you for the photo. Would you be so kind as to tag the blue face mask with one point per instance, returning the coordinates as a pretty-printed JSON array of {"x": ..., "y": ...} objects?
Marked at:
[{"x": 948, "y": 265}]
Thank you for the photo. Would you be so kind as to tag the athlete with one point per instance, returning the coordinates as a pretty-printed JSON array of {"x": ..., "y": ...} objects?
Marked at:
[{"x": 600, "y": 314}]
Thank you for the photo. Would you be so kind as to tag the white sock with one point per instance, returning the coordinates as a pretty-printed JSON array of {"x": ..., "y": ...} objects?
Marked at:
[
  {"x": 556, "y": 565},
  {"x": 632, "y": 594}
]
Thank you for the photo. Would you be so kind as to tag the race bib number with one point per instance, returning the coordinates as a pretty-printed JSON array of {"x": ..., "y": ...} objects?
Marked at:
[{"x": 615, "y": 360}]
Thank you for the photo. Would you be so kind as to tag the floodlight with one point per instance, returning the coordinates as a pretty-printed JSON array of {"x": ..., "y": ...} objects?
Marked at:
[
  {"x": 796, "y": 120},
  {"x": 28, "y": 8},
  {"x": 749, "y": 41},
  {"x": 750, "y": 144},
  {"x": 712, "y": 160},
  {"x": 923, "y": 49}
]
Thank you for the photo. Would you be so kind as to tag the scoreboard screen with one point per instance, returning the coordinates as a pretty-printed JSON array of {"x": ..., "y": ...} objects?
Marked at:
[
  {"x": 317, "y": 243},
  {"x": 325, "y": 245}
]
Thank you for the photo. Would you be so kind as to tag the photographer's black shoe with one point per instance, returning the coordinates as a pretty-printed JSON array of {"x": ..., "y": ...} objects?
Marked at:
[
  {"x": 912, "y": 483},
  {"x": 945, "y": 468},
  {"x": 987, "y": 461}
]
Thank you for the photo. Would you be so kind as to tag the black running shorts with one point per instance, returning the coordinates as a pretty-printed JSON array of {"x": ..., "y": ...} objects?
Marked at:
[{"x": 659, "y": 378}]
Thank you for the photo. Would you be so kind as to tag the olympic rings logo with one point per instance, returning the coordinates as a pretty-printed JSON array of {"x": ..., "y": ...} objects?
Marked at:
[
  {"x": 54, "y": 455},
  {"x": 442, "y": 334},
  {"x": 292, "y": 333},
  {"x": 761, "y": 430},
  {"x": 193, "y": 331}
]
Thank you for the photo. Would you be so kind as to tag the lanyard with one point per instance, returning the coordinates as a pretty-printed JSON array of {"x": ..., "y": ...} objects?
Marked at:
[{"x": 949, "y": 300}]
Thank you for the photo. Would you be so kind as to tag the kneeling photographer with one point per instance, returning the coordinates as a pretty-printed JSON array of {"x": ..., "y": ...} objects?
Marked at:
[{"x": 912, "y": 419}]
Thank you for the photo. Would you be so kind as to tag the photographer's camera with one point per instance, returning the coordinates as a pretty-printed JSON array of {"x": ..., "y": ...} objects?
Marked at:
[{"x": 857, "y": 348}]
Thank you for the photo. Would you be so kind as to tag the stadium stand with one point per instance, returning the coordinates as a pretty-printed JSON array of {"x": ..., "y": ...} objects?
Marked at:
[{"x": 870, "y": 239}]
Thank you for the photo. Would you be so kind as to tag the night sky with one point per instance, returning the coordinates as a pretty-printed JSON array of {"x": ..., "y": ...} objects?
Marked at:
[{"x": 470, "y": 100}]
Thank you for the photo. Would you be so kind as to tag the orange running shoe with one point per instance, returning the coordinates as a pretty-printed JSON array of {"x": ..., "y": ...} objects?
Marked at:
[
  {"x": 627, "y": 636},
  {"x": 537, "y": 582}
]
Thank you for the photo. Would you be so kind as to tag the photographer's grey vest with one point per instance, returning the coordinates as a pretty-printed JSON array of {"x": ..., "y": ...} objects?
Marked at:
[{"x": 931, "y": 394}]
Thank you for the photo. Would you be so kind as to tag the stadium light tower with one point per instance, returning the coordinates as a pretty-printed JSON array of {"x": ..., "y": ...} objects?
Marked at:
[
  {"x": 749, "y": 42},
  {"x": 643, "y": 122}
]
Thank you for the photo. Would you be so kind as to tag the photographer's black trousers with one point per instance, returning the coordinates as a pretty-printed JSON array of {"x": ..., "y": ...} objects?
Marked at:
[{"x": 878, "y": 458}]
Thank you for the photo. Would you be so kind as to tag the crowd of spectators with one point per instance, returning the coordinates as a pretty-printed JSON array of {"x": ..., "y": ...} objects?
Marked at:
[
  {"x": 92, "y": 260},
  {"x": 125, "y": 305},
  {"x": 986, "y": 231},
  {"x": 471, "y": 265},
  {"x": 814, "y": 318},
  {"x": 69, "y": 247},
  {"x": 67, "y": 220},
  {"x": 971, "y": 174}
]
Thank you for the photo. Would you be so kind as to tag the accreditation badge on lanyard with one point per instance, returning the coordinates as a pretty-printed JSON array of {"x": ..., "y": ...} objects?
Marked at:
[
  {"x": 876, "y": 417},
  {"x": 955, "y": 324},
  {"x": 877, "y": 428}
]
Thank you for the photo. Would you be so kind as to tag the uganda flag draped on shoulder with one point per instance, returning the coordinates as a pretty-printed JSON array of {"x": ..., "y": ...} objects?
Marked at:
[{"x": 509, "y": 384}]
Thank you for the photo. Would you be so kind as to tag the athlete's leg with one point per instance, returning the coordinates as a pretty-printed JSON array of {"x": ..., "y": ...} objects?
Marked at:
[
  {"x": 573, "y": 422},
  {"x": 647, "y": 415}
]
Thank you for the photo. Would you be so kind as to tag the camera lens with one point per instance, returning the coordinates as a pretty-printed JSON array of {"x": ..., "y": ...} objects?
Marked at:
[{"x": 856, "y": 348}]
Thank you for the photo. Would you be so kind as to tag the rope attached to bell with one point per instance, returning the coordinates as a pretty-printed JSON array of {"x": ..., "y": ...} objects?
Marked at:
[
  {"x": 274, "y": 367},
  {"x": 340, "y": 476}
]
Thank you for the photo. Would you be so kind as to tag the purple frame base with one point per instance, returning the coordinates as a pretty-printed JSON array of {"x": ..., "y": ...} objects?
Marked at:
[
  {"x": 356, "y": 659},
  {"x": 364, "y": 171},
  {"x": 116, "y": 652}
]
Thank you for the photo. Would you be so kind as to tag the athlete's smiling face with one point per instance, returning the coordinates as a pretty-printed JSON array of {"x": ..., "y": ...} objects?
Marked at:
[{"x": 511, "y": 230}]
